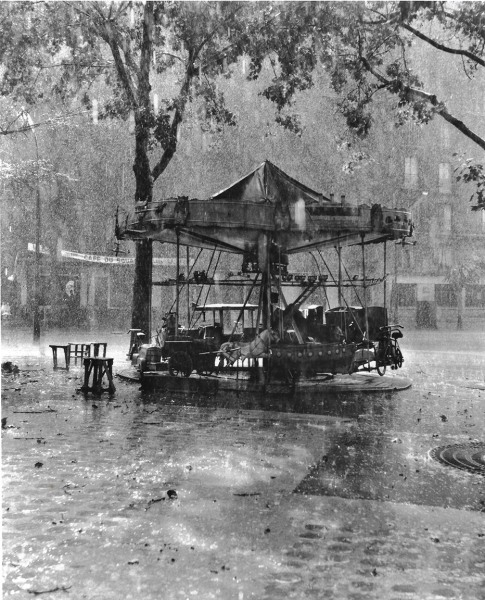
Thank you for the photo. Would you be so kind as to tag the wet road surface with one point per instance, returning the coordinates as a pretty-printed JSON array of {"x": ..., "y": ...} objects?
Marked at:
[{"x": 269, "y": 504}]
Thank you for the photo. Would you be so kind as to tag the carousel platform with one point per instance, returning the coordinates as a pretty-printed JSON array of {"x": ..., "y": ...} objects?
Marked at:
[{"x": 222, "y": 383}]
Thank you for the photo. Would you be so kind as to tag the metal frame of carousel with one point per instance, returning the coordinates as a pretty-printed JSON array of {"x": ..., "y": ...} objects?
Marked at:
[{"x": 266, "y": 217}]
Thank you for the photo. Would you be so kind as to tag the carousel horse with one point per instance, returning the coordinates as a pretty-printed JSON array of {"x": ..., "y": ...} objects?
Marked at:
[{"x": 258, "y": 348}]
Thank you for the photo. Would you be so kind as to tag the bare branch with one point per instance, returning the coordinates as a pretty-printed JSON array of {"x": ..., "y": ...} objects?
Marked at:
[
  {"x": 173, "y": 56},
  {"x": 108, "y": 34},
  {"x": 432, "y": 99},
  {"x": 470, "y": 55},
  {"x": 181, "y": 103},
  {"x": 108, "y": 64}
]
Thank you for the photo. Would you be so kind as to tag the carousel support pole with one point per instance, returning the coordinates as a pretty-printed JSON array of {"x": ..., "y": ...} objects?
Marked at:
[
  {"x": 177, "y": 290},
  {"x": 366, "y": 314},
  {"x": 188, "y": 288},
  {"x": 280, "y": 295},
  {"x": 263, "y": 264},
  {"x": 265, "y": 298},
  {"x": 267, "y": 312},
  {"x": 395, "y": 316},
  {"x": 339, "y": 252},
  {"x": 260, "y": 303},
  {"x": 266, "y": 304},
  {"x": 385, "y": 279},
  {"x": 268, "y": 291}
]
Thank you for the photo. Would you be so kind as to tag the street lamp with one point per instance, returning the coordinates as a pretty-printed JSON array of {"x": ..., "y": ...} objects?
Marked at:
[{"x": 30, "y": 124}]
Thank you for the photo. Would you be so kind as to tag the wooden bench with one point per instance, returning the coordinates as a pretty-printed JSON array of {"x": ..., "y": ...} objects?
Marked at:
[
  {"x": 67, "y": 355},
  {"x": 98, "y": 367}
]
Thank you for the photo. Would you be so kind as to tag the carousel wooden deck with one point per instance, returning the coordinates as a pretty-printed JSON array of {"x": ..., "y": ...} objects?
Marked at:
[{"x": 221, "y": 384}]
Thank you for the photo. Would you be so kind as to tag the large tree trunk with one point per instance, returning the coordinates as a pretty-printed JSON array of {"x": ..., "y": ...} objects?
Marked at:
[
  {"x": 142, "y": 285},
  {"x": 142, "y": 289}
]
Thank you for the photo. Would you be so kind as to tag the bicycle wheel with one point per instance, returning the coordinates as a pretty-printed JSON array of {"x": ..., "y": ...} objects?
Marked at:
[
  {"x": 381, "y": 360},
  {"x": 398, "y": 358}
]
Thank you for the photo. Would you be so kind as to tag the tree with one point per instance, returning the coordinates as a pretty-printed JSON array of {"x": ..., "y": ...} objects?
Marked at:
[
  {"x": 68, "y": 49},
  {"x": 370, "y": 49}
]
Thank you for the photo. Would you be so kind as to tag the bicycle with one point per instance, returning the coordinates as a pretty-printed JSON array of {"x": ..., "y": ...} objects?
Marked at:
[{"x": 388, "y": 350}]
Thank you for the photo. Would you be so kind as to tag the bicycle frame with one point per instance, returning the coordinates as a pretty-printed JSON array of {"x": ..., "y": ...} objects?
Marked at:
[{"x": 388, "y": 352}]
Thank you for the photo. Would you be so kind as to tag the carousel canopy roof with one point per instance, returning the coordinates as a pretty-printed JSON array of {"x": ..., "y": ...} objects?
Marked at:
[
  {"x": 267, "y": 208},
  {"x": 267, "y": 183}
]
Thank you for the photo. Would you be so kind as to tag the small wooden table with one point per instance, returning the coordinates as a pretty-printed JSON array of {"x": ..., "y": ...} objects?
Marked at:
[
  {"x": 98, "y": 367},
  {"x": 67, "y": 354}
]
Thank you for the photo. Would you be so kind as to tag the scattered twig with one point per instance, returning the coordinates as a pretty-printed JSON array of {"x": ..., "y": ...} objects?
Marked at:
[
  {"x": 249, "y": 494},
  {"x": 152, "y": 501},
  {"x": 62, "y": 588},
  {"x": 33, "y": 412}
]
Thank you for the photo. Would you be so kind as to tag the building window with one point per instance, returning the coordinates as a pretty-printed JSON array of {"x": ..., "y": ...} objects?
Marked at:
[
  {"x": 392, "y": 166},
  {"x": 406, "y": 294},
  {"x": 445, "y": 295},
  {"x": 447, "y": 217},
  {"x": 475, "y": 296},
  {"x": 446, "y": 257},
  {"x": 411, "y": 172},
  {"x": 444, "y": 178},
  {"x": 445, "y": 135}
]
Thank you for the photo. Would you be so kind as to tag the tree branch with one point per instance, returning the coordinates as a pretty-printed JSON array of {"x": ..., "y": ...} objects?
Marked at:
[
  {"x": 181, "y": 102},
  {"x": 109, "y": 35},
  {"x": 443, "y": 48},
  {"x": 432, "y": 99}
]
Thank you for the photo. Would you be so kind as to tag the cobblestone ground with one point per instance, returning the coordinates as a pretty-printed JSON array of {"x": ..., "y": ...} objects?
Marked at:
[{"x": 269, "y": 505}]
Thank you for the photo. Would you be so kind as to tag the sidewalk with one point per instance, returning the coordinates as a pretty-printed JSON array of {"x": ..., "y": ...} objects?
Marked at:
[{"x": 270, "y": 505}]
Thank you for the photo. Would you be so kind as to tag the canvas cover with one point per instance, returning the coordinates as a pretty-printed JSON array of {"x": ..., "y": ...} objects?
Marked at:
[
  {"x": 267, "y": 183},
  {"x": 265, "y": 207}
]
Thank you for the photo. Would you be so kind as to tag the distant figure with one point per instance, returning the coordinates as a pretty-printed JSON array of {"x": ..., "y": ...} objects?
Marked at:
[
  {"x": 70, "y": 294},
  {"x": 5, "y": 311}
]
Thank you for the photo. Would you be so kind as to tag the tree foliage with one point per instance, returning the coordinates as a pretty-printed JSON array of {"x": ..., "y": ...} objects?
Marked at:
[
  {"x": 111, "y": 57},
  {"x": 369, "y": 49},
  {"x": 123, "y": 50}
]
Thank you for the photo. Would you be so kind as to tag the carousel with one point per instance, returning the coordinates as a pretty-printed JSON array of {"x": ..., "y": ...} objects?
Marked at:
[{"x": 278, "y": 338}]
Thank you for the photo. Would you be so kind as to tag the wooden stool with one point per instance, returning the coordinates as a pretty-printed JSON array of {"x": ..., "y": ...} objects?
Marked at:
[
  {"x": 67, "y": 354},
  {"x": 78, "y": 350},
  {"x": 93, "y": 348},
  {"x": 99, "y": 367}
]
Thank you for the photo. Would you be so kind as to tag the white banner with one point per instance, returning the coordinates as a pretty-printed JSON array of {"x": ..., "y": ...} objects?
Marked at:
[
  {"x": 96, "y": 258},
  {"x": 116, "y": 260}
]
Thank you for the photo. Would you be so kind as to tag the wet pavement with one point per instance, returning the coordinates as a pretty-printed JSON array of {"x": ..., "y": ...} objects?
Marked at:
[{"x": 269, "y": 504}]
